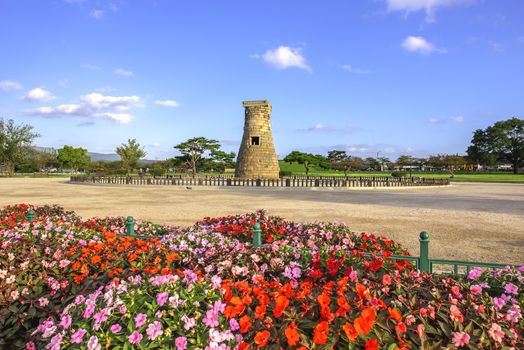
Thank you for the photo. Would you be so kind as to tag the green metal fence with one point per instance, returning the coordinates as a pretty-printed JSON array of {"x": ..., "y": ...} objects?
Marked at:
[{"x": 422, "y": 262}]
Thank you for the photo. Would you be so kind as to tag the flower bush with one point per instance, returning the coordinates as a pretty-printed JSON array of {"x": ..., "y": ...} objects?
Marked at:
[{"x": 66, "y": 283}]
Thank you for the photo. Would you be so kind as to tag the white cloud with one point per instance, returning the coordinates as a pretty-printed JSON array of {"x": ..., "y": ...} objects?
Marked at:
[
  {"x": 429, "y": 6},
  {"x": 39, "y": 94},
  {"x": 457, "y": 119},
  {"x": 126, "y": 73},
  {"x": 495, "y": 46},
  {"x": 352, "y": 69},
  {"x": 8, "y": 85},
  {"x": 285, "y": 57},
  {"x": 329, "y": 129},
  {"x": 90, "y": 66},
  {"x": 420, "y": 45},
  {"x": 167, "y": 103},
  {"x": 97, "y": 13},
  {"x": 94, "y": 105}
]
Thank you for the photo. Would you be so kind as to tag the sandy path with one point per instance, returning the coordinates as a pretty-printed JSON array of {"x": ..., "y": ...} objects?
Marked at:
[{"x": 480, "y": 222}]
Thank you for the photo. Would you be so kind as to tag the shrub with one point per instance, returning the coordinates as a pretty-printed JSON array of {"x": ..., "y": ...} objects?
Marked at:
[{"x": 399, "y": 174}]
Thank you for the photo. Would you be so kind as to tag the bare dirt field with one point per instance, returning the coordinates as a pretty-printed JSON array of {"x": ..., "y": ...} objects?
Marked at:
[{"x": 466, "y": 221}]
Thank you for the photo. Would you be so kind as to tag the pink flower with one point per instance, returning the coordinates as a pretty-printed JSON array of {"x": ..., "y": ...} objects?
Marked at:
[
  {"x": 496, "y": 333},
  {"x": 460, "y": 339},
  {"x": 181, "y": 343},
  {"x": 154, "y": 330},
  {"x": 510, "y": 288},
  {"x": 93, "y": 343},
  {"x": 65, "y": 322},
  {"x": 475, "y": 273},
  {"x": 116, "y": 328},
  {"x": 43, "y": 301},
  {"x": 135, "y": 338},
  {"x": 15, "y": 295},
  {"x": 499, "y": 302},
  {"x": 161, "y": 298},
  {"x": 420, "y": 330},
  {"x": 455, "y": 314},
  {"x": 386, "y": 280},
  {"x": 233, "y": 324},
  {"x": 77, "y": 337},
  {"x": 30, "y": 346},
  {"x": 140, "y": 320}
]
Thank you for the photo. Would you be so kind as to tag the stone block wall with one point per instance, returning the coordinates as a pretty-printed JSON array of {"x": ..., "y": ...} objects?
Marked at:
[{"x": 257, "y": 157}]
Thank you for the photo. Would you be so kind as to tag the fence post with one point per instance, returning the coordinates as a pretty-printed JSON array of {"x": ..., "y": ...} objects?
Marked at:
[
  {"x": 424, "y": 251},
  {"x": 130, "y": 226},
  {"x": 256, "y": 235},
  {"x": 30, "y": 215}
]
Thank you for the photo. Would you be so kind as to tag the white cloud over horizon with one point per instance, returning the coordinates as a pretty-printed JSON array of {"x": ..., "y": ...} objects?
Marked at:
[
  {"x": 123, "y": 72},
  {"x": 284, "y": 57},
  {"x": 428, "y": 6},
  {"x": 8, "y": 85},
  {"x": 94, "y": 105},
  {"x": 39, "y": 94},
  {"x": 167, "y": 103},
  {"x": 420, "y": 45}
]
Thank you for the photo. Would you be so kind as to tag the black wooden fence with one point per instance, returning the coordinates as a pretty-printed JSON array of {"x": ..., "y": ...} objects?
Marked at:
[{"x": 287, "y": 181}]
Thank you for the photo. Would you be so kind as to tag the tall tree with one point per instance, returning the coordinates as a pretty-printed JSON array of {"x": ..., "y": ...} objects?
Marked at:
[
  {"x": 73, "y": 158},
  {"x": 195, "y": 149},
  {"x": 502, "y": 141},
  {"x": 130, "y": 153},
  {"x": 222, "y": 160},
  {"x": 306, "y": 159},
  {"x": 15, "y": 141}
]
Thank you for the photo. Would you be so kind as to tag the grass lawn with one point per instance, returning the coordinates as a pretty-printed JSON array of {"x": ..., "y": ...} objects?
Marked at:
[{"x": 298, "y": 169}]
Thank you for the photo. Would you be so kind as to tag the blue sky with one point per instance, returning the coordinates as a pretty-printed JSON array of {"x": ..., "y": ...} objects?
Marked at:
[{"x": 390, "y": 76}]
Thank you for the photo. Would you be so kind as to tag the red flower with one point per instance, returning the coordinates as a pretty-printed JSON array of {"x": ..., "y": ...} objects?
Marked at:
[
  {"x": 372, "y": 344},
  {"x": 261, "y": 338},
  {"x": 291, "y": 334},
  {"x": 350, "y": 331},
  {"x": 321, "y": 333},
  {"x": 245, "y": 324},
  {"x": 281, "y": 303},
  {"x": 365, "y": 321},
  {"x": 395, "y": 314},
  {"x": 401, "y": 328}
]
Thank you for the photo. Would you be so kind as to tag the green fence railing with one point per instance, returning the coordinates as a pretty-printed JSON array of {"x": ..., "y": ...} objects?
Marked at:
[{"x": 422, "y": 262}]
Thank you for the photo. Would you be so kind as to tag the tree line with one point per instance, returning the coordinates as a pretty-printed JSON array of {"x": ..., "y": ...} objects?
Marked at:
[{"x": 500, "y": 143}]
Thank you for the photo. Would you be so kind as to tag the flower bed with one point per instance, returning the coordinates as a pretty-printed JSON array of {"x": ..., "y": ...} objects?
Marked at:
[{"x": 72, "y": 283}]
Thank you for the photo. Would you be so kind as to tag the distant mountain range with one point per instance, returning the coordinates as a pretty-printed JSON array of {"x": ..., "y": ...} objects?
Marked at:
[{"x": 111, "y": 157}]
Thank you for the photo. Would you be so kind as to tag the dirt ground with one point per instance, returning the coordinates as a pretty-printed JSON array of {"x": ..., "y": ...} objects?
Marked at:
[{"x": 466, "y": 221}]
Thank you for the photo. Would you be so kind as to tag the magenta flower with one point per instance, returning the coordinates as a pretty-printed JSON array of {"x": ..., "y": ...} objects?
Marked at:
[
  {"x": 154, "y": 330},
  {"x": 65, "y": 322},
  {"x": 460, "y": 339},
  {"x": 78, "y": 336},
  {"x": 161, "y": 298},
  {"x": 116, "y": 328},
  {"x": 181, "y": 343},
  {"x": 55, "y": 342},
  {"x": 211, "y": 319},
  {"x": 475, "y": 289},
  {"x": 135, "y": 338},
  {"x": 474, "y": 273},
  {"x": 510, "y": 288},
  {"x": 140, "y": 320},
  {"x": 499, "y": 302},
  {"x": 30, "y": 346},
  {"x": 233, "y": 324}
]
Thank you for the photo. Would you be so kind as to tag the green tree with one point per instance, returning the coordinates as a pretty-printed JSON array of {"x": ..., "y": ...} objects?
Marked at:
[
  {"x": 500, "y": 142},
  {"x": 195, "y": 148},
  {"x": 130, "y": 153},
  {"x": 306, "y": 159},
  {"x": 350, "y": 163},
  {"x": 38, "y": 160},
  {"x": 15, "y": 141},
  {"x": 336, "y": 156},
  {"x": 73, "y": 158},
  {"x": 223, "y": 160}
]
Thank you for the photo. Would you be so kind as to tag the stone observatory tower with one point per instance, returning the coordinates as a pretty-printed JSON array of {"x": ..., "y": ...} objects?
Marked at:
[{"x": 257, "y": 157}]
